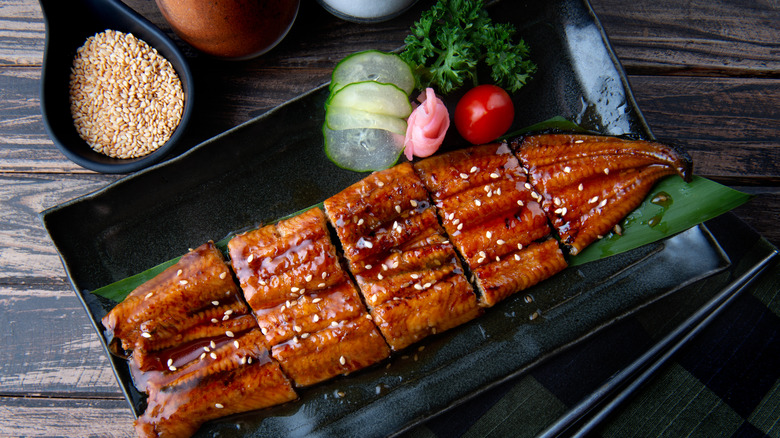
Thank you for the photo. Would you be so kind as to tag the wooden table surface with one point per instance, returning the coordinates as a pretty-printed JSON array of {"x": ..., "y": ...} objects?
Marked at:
[{"x": 705, "y": 73}]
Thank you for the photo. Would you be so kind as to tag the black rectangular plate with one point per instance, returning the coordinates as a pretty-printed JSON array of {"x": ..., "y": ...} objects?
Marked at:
[{"x": 274, "y": 165}]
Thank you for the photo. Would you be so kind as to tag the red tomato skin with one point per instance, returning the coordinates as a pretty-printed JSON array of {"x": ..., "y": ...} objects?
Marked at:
[{"x": 484, "y": 113}]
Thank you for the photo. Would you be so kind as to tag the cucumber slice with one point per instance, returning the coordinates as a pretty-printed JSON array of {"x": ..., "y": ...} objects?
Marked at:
[
  {"x": 372, "y": 97},
  {"x": 364, "y": 149},
  {"x": 349, "y": 118},
  {"x": 373, "y": 65}
]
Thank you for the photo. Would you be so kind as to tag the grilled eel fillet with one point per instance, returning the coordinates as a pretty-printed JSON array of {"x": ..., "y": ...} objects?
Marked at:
[
  {"x": 196, "y": 350},
  {"x": 405, "y": 267},
  {"x": 493, "y": 217},
  {"x": 588, "y": 183},
  {"x": 235, "y": 377},
  {"x": 305, "y": 304},
  {"x": 490, "y": 205}
]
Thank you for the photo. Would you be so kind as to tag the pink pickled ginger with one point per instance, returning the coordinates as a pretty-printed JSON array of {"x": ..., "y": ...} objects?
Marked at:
[{"x": 426, "y": 126}]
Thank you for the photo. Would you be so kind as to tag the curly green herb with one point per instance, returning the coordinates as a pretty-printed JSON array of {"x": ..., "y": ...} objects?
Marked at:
[{"x": 455, "y": 38}]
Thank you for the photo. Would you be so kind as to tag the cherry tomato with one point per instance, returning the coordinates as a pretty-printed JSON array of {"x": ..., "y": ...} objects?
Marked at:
[{"x": 484, "y": 113}]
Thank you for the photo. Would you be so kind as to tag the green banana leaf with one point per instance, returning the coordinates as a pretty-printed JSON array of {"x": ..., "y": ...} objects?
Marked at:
[{"x": 671, "y": 207}]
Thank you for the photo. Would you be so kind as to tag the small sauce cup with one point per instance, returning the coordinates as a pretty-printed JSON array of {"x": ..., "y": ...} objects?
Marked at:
[{"x": 230, "y": 29}]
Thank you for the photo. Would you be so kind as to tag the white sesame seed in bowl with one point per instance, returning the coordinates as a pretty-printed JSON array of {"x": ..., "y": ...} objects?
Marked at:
[
  {"x": 126, "y": 99},
  {"x": 117, "y": 92}
]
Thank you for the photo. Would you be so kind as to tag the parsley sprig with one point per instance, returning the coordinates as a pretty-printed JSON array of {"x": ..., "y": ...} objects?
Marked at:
[{"x": 455, "y": 38}]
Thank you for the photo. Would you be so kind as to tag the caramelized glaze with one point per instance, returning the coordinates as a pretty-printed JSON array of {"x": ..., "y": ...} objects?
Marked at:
[
  {"x": 279, "y": 262},
  {"x": 172, "y": 302},
  {"x": 523, "y": 269},
  {"x": 406, "y": 268},
  {"x": 194, "y": 346},
  {"x": 240, "y": 380},
  {"x": 341, "y": 348},
  {"x": 492, "y": 216},
  {"x": 589, "y": 182},
  {"x": 304, "y": 302}
]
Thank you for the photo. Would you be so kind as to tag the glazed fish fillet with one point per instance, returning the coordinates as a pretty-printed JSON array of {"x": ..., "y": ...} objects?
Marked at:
[
  {"x": 493, "y": 217},
  {"x": 239, "y": 379},
  {"x": 407, "y": 270},
  {"x": 589, "y": 183},
  {"x": 306, "y": 305},
  {"x": 196, "y": 349},
  {"x": 182, "y": 299}
]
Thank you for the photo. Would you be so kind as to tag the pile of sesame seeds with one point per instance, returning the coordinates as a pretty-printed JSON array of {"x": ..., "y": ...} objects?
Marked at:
[{"x": 125, "y": 98}]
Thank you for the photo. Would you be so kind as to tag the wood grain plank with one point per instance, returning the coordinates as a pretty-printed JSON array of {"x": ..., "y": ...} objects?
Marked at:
[
  {"x": 27, "y": 254},
  {"x": 730, "y": 126},
  {"x": 24, "y": 144},
  {"x": 23, "y": 31},
  {"x": 696, "y": 36},
  {"x": 763, "y": 219},
  {"x": 717, "y": 36},
  {"x": 47, "y": 417},
  {"x": 703, "y": 37},
  {"x": 49, "y": 345}
]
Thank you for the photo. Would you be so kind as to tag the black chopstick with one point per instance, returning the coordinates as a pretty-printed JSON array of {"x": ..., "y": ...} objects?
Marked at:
[{"x": 600, "y": 403}]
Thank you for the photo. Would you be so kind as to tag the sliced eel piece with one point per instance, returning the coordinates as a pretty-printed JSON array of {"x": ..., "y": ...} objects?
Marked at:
[
  {"x": 523, "y": 269},
  {"x": 310, "y": 313},
  {"x": 493, "y": 217},
  {"x": 306, "y": 305},
  {"x": 282, "y": 261},
  {"x": 240, "y": 377},
  {"x": 186, "y": 295},
  {"x": 407, "y": 270},
  {"x": 435, "y": 308},
  {"x": 341, "y": 348},
  {"x": 590, "y": 182}
]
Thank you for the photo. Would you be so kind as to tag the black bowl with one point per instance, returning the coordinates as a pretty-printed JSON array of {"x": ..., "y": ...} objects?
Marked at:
[{"x": 68, "y": 25}]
